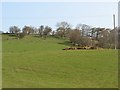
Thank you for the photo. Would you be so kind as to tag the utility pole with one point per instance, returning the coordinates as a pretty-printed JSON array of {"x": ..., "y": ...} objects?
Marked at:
[{"x": 114, "y": 29}]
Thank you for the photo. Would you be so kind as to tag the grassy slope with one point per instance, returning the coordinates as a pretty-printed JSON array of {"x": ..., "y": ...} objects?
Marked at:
[{"x": 33, "y": 62}]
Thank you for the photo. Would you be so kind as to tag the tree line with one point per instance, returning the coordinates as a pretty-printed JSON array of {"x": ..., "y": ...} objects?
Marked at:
[{"x": 81, "y": 35}]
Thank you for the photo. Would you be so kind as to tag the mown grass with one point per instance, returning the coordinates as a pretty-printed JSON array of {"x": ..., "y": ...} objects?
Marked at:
[{"x": 36, "y": 63}]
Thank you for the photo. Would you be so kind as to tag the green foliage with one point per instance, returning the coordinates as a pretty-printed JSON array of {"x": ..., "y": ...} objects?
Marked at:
[{"x": 36, "y": 63}]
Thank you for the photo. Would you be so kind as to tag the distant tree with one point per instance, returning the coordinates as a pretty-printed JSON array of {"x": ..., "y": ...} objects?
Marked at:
[
  {"x": 28, "y": 30},
  {"x": 98, "y": 31},
  {"x": 82, "y": 34},
  {"x": 62, "y": 27},
  {"x": 41, "y": 28},
  {"x": 75, "y": 36},
  {"x": 59, "y": 33},
  {"x": 14, "y": 30},
  {"x": 53, "y": 33},
  {"x": 35, "y": 30},
  {"x": 86, "y": 41},
  {"x": 104, "y": 37},
  {"x": 92, "y": 32},
  {"x": 77, "y": 39},
  {"x": 47, "y": 31},
  {"x": 68, "y": 32},
  {"x": 84, "y": 29},
  {"x": 21, "y": 35}
]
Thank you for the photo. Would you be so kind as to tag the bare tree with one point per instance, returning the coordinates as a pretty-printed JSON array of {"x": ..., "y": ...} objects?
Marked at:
[
  {"x": 92, "y": 32},
  {"x": 41, "y": 28},
  {"x": 47, "y": 31},
  {"x": 98, "y": 31},
  {"x": 75, "y": 36},
  {"x": 62, "y": 27},
  {"x": 14, "y": 30},
  {"x": 35, "y": 30},
  {"x": 28, "y": 30},
  {"x": 84, "y": 29},
  {"x": 53, "y": 33},
  {"x": 104, "y": 37},
  {"x": 21, "y": 35}
]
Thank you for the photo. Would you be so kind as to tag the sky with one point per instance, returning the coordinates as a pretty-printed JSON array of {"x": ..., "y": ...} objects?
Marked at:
[{"x": 96, "y": 14}]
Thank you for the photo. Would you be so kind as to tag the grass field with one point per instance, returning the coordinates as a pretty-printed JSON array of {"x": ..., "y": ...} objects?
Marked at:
[{"x": 36, "y": 63}]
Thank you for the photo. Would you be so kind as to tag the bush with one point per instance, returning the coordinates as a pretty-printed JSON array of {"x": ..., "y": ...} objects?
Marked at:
[{"x": 21, "y": 35}]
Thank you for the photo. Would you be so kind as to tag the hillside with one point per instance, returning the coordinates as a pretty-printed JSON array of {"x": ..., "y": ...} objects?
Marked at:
[{"x": 37, "y": 63}]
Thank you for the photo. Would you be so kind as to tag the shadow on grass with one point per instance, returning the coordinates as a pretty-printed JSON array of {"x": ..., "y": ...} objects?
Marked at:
[
  {"x": 66, "y": 43},
  {"x": 12, "y": 35},
  {"x": 37, "y": 36}
]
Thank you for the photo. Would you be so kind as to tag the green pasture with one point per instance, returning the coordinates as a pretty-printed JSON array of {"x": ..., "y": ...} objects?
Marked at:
[{"x": 33, "y": 62}]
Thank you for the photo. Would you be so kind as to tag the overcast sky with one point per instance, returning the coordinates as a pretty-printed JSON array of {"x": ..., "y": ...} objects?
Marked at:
[{"x": 98, "y": 14}]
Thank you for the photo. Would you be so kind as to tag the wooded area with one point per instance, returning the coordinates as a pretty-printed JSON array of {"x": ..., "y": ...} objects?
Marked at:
[{"x": 82, "y": 35}]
